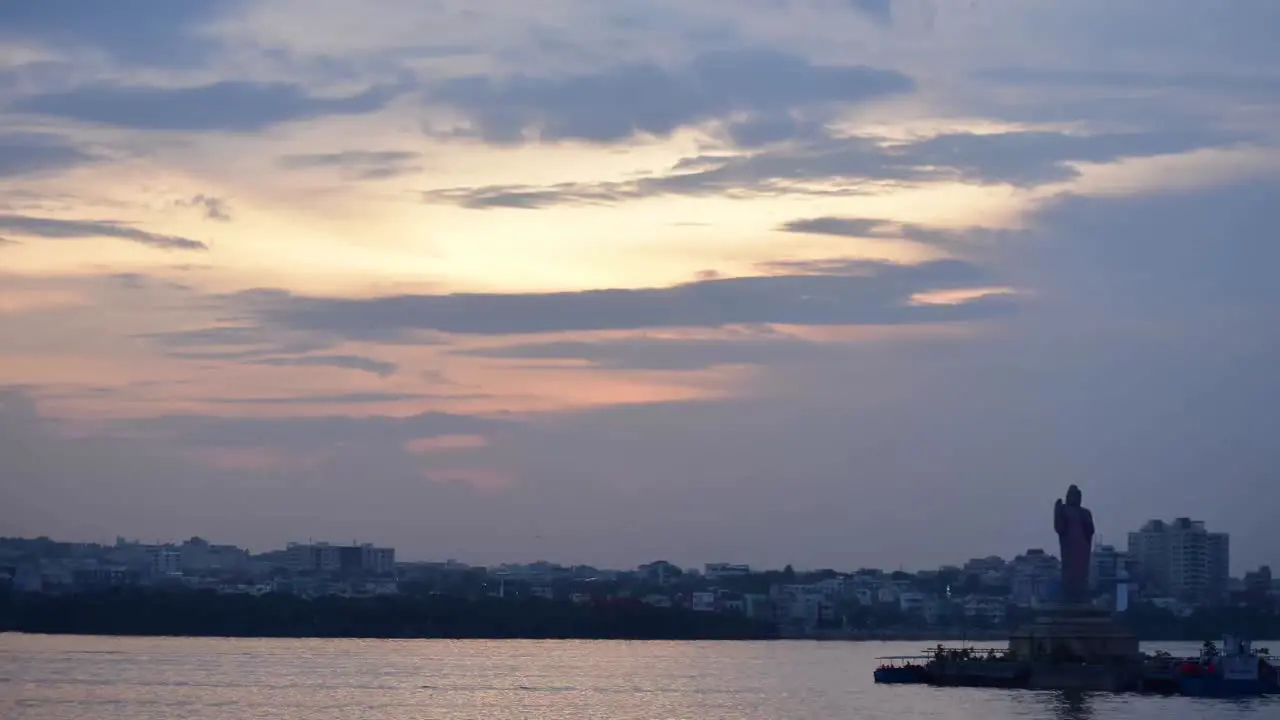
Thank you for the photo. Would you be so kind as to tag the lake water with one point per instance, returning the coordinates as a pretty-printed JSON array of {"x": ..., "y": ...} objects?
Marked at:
[{"x": 102, "y": 678}]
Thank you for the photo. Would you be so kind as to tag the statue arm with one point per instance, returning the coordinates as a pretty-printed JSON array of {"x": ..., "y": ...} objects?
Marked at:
[
  {"x": 1088, "y": 524},
  {"x": 1059, "y": 522}
]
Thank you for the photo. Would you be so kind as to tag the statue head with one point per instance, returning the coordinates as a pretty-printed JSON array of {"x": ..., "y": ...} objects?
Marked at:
[{"x": 1073, "y": 496}]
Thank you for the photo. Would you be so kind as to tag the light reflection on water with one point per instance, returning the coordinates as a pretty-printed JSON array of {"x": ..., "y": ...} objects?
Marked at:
[{"x": 69, "y": 678}]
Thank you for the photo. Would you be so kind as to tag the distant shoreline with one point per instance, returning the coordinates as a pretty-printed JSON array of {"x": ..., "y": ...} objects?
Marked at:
[
  {"x": 149, "y": 613},
  {"x": 205, "y": 614},
  {"x": 926, "y": 639}
]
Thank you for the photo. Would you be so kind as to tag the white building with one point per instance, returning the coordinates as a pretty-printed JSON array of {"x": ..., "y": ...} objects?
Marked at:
[
  {"x": 164, "y": 561},
  {"x": 200, "y": 556},
  {"x": 715, "y": 571},
  {"x": 1181, "y": 559},
  {"x": 804, "y": 605},
  {"x": 1033, "y": 576},
  {"x": 756, "y": 605},
  {"x": 1106, "y": 565},
  {"x": 702, "y": 602},
  {"x": 355, "y": 559},
  {"x": 991, "y": 608},
  {"x": 376, "y": 560},
  {"x": 916, "y": 603}
]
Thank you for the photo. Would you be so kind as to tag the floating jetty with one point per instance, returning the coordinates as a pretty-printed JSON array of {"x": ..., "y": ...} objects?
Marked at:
[{"x": 1235, "y": 670}]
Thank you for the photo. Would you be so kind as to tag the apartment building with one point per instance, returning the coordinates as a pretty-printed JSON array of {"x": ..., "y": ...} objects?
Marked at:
[{"x": 1181, "y": 559}]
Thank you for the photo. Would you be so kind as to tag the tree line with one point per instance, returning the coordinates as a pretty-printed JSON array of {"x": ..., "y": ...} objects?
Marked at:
[
  {"x": 148, "y": 611},
  {"x": 206, "y": 613}
]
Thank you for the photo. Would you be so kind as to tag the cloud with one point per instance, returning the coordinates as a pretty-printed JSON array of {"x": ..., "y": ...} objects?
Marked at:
[
  {"x": 148, "y": 32},
  {"x": 857, "y": 165},
  {"x": 1262, "y": 85},
  {"x": 52, "y": 228},
  {"x": 33, "y": 153},
  {"x": 844, "y": 293},
  {"x": 1132, "y": 33},
  {"x": 232, "y": 106},
  {"x": 214, "y": 208},
  {"x": 857, "y": 227},
  {"x": 1038, "y": 158},
  {"x": 59, "y": 480},
  {"x": 1171, "y": 253},
  {"x": 359, "y": 164},
  {"x": 659, "y": 353},
  {"x": 527, "y": 197},
  {"x": 878, "y": 11},
  {"x": 350, "y": 362},
  {"x": 370, "y": 432},
  {"x": 645, "y": 99},
  {"x": 769, "y": 129},
  {"x": 353, "y": 398},
  {"x": 235, "y": 342},
  {"x": 1121, "y": 97},
  {"x": 841, "y": 227}
]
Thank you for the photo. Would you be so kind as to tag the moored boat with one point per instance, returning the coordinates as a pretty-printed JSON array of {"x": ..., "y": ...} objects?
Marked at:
[
  {"x": 902, "y": 670},
  {"x": 1234, "y": 671}
]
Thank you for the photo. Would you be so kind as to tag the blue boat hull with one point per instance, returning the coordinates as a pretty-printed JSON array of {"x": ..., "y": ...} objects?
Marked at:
[
  {"x": 900, "y": 675},
  {"x": 1214, "y": 686}
]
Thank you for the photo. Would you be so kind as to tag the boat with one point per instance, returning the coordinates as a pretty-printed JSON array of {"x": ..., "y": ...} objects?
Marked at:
[
  {"x": 902, "y": 670},
  {"x": 976, "y": 667},
  {"x": 1234, "y": 671},
  {"x": 1238, "y": 670}
]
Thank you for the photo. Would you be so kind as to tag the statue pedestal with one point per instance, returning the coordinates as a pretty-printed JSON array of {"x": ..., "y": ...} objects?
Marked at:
[
  {"x": 1074, "y": 633},
  {"x": 1074, "y": 647}
]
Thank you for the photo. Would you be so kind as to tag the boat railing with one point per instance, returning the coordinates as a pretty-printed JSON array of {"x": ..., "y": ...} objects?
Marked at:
[
  {"x": 967, "y": 654},
  {"x": 903, "y": 660}
]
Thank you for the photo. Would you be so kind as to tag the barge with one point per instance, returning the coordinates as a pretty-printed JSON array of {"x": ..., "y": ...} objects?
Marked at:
[{"x": 1235, "y": 670}]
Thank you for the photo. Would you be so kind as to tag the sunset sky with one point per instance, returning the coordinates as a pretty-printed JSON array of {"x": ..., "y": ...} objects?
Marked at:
[{"x": 838, "y": 283}]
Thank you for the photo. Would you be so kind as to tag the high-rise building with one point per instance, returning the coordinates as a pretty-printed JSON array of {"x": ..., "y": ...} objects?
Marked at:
[
  {"x": 1218, "y": 571},
  {"x": 201, "y": 556},
  {"x": 1258, "y": 581},
  {"x": 376, "y": 560},
  {"x": 1109, "y": 573},
  {"x": 347, "y": 559},
  {"x": 1181, "y": 559},
  {"x": 164, "y": 560},
  {"x": 1105, "y": 565},
  {"x": 1033, "y": 578}
]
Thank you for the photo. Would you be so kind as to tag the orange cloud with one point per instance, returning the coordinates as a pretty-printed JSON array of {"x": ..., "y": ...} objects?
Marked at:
[
  {"x": 16, "y": 301},
  {"x": 442, "y": 443}
]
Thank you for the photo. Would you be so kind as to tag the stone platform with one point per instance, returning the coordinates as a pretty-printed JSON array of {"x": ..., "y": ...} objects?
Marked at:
[
  {"x": 1075, "y": 647},
  {"x": 1074, "y": 633}
]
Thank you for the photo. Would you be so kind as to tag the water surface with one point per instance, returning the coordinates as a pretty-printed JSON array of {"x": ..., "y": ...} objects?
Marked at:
[{"x": 103, "y": 678}]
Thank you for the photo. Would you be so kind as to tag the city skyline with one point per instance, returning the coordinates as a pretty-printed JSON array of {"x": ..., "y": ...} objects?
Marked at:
[
  {"x": 1132, "y": 549},
  {"x": 859, "y": 281}
]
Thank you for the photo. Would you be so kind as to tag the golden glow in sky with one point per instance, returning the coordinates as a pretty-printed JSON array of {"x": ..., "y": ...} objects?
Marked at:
[{"x": 598, "y": 247}]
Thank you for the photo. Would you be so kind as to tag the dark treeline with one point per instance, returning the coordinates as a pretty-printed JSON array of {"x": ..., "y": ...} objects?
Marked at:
[
  {"x": 139, "y": 611},
  {"x": 196, "y": 613},
  {"x": 1149, "y": 622}
]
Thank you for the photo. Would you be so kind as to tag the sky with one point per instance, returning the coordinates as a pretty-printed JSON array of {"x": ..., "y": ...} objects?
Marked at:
[{"x": 837, "y": 283}]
